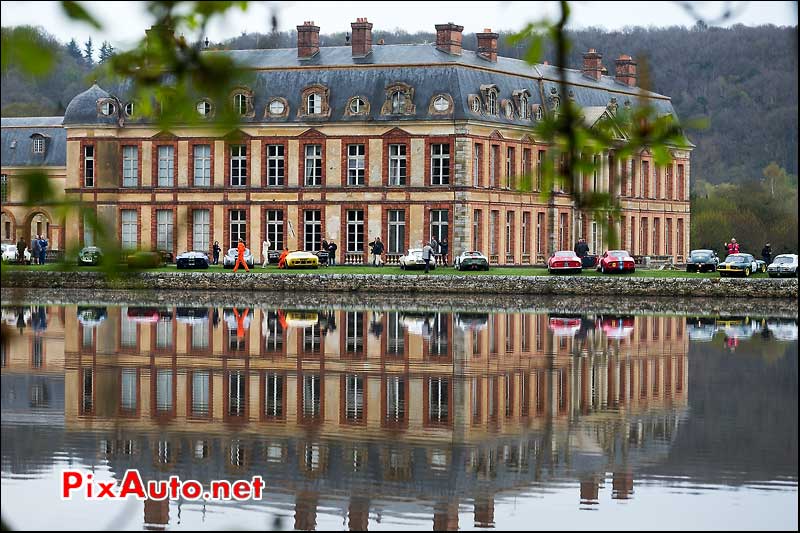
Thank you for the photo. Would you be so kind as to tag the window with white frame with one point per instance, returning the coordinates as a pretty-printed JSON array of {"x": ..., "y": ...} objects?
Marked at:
[
  {"x": 129, "y": 109},
  {"x": 526, "y": 232},
  {"x": 203, "y": 108},
  {"x": 276, "y": 165},
  {"x": 275, "y": 228},
  {"x": 238, "y": 165},
  {"x": 398, "y": 102},
  {"x": 441, "y": 104},
  {"x": 128, "y": 388},
  {"x": 88, "y": 165},
  {"x": 438, "y": 400},
  {"x": 440, "y": 164},
  {"x": 357, "y": 106},
  {"x": 491, "y": 103},
  {"x": 88, "y": 231},
  {"x": 509, "y": 233},
  {"x": 526, "y": 163},
  {"x": 164, "y": 229},
  {"x": 130, "y": 228},
  {"x": 4, "y": 188},
  {"x": 201, "y": 230},
  {"x": 494, "y": 220},
  {"x": 130, "y": 166},
  {"x": 240, "y": 103},
  {"x": 355, "y": 164},
  {"x": 397, "y": 231},
  {"x": 38, "y": 144},
  {"x": 523, "y": 107},
  {"x": 476, "y": 229},
  {"x": 439, "y": 224},
  {"x": 476, "y": 165},
  {"x": 397, "y": 164},
  {"x": 164, "y": 334},
  {"x": 238, "y": 226},
  {"x": 313, "y": 165},
  {"x": 312, "y": 229},
  {"x": 202, "y": 165},
  {"x": 276, "y": 107},
  {"x": 354, "y": 332},
  {"x": 493, "y": 156},
  {"x": 355, "y": 231},
  {"x": 273, "y": 395},
  {"x": 129, "y": 332},
  {"x": 166, "y": 166},
  {"x": 107, "y": 108},
  {"x": 314, "y": 104},
  {"x": 510, "y": 156}
]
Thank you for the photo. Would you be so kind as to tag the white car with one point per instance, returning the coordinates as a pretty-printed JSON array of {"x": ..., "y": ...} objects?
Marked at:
[
  {"x": 10, "y": 254},
  {"x": 783, "y": 265},
  {"x": 413, "y": 259}
]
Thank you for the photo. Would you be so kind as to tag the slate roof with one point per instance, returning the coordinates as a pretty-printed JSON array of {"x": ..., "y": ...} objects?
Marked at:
[
  {"x": 17, "y": 144},
  {"x": 280, "y": 73}
]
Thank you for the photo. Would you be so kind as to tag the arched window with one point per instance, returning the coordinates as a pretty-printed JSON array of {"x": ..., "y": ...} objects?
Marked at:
[
  {"x": 523, "y": 107},
  {"x": 314, "y": 104},
  {"x": 107, "y": 108},
  {"x": 491, "y": 103},
  {"x": 398, "y": 102},
  {"x": 240, "y": 103},
  {"x": 476, "y": 105}
]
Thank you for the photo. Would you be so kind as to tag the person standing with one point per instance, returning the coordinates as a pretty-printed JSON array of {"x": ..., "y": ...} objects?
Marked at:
[
  {"x": 443, "y": 249},
  {"x": 377, "y": 251},
  {"x": 216, "y": 251},
  {"x": 265, "y": 252},
  {"x": 732, "y": 247},
  {"x": 43, "y": 244},
  {"x": 581, "y": 248},
  {"x": 240, "y": 249},
  {"x": 766, "y": 253},
  {"x": 21, "y": 250},
  {"x": 282, "y": 258},
  {"x": 427, "y": 255},
  {"x": 332, "y": 253},
  {"x": 35, "y": 250}
]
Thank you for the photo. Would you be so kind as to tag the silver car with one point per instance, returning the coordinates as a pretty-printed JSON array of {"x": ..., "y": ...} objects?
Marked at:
[
  {"x": 783, "y": 265},
  {"x": 230, "y": 258}
]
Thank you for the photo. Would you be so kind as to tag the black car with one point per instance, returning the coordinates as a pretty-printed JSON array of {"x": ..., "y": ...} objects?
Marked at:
[
  {"x": 702, "y": 261},
  {"x": 90, "y": 255},
  {"x": 193, "y": 259}
]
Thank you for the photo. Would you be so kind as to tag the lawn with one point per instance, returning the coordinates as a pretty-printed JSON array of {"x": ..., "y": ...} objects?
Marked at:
[{"x": 364, "y": 269}]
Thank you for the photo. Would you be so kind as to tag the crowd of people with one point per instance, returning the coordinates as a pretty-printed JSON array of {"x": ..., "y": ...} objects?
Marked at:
[
  {"x": 732, "y": 247},
  {"x": 38, "y": 250}
]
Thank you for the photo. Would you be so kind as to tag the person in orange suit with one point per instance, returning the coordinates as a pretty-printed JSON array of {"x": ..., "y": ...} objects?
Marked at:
[
  {"x": 240, "y": 257},
  {"x": 282, "y": 258},
  {"x": 240, "y": 321}
]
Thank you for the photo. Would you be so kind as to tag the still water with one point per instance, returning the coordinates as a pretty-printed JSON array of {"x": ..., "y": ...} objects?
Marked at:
[{"x": 405, "y": 419}]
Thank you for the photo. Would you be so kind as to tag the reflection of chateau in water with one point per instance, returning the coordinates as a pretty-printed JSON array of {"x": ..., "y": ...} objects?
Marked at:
[{"x": 369, "y": 406}]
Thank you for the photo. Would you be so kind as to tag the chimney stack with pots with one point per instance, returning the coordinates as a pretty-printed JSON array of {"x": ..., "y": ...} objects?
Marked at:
[
  {"x": 307, "y": 40},
  {"x": 592, "y": 64},
  {"x": 448, "y": 38},
  {"x": 487, "y": 45},
  {"x": 626, "y": 71},
  {"x": 362, "y": 37}
]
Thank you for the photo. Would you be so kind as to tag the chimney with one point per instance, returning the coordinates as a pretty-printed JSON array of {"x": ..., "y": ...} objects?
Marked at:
[
  {"x": 487, "y": 45},
  {"x": 362, "y": 37},
  {"x": 307, "y": 40},
  {"x": 592, "y": 64},
  {"x": 448, "y": 38},
  {"x": 626, "y": 71}
]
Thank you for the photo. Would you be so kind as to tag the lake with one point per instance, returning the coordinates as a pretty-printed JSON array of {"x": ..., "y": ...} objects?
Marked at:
[{"x": 398, "y": 416}]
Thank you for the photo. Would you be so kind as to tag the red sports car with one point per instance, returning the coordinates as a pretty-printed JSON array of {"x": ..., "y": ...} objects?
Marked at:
[
  {"x": 565, "y": 261},
  {"x": 616, "y": 261}
]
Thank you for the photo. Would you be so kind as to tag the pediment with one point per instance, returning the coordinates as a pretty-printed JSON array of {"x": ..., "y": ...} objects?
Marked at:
[
  {"x": 236, "y": 135},
  {"x": 165, "y": 136},
  {"x": 396, "y": 132},
  {"x": 496, "y": 135},
  {"x": 313, "y": 133}
]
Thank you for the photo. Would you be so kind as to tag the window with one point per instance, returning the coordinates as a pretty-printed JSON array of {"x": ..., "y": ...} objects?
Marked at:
[
  {"x": 494, "y": 155},
  {"x": 354, "y": 332},
  {"x": 202, "y": 165},
  {"x": 4, "y": 188},
  {"x": 130, "y": 166},
  {"x": 540, "y": 233},
  {"x": 88, "y": 166},
  {"x": 201, "y": 229},
  {"x": 238, "y": 226},
  {"x": 314, "y": 104},
  {"x": 476, "y": 166},
  {"x": 164, "y": 333},
  {"x": 397, "y": 231},
  {"x": 595, "y": 184},
  {"x": 439, "y": 224},
  {"x": 201, "y": 391},
  {"x": 238, "y": 165},
  {"x": 441, "y": 104},
  {"x": 670, "y": 183},
  {"x": 397, "y": 164},
  {"x": 128, "y": 389},
  {"x": 476, "y": 229},
  {"x": 526, "y": 236},
  {"x": 563, "y": 232},
  {"x": 395, "y": 398},
  {"x": 203, "y": 108},
  {"x": 491, "y": 103},
  {"x": 166, "y": 166},
  {"x": 38, "y": 144},
  {"x": 494, "y": 222},
  {"x": 523, "y": 107},
  {"x": 509, "y": 233},
  {"x": 657, "y": 188},
  {"x": 668, "y": 234},
  {"x": 130, "y": 229},
  {"x": 164, "y": 229},
  {"x": 312, "y": 231},
  {"x": 539, "y": 113},
  {"x": 273, "y": 395},
  {"x": 355, "y": 164},
  {"x": 539, "y": 169},
  {"x": 107, "y": 108},
  {"x": 276, "y": 107},
  {"x": 240, "y": 103},
  {"x": 526, "y": 163},
  {"x": 438, "y": 398},
  {"x": 313, "y": 165},
  {"x": 476, "y": 105},
  {"x": 129, "y": 109},
  {"x": 311, "y": 396},
  {"x": 440, "y": 164},
  {"x": 88, "y": 231},
  {"x": 275, "y": 228},
  {"x": 510, "y": 156},
  {"x": 643, "y": 238},
  {"x": 644, "y": 190},
  {"x": 398, "y": 102},
  {"x": 681, "y": 184},
  {"x": 657, "y": 236},
  {"x": 355, "y": 231},
  {"x": 276, "y": 165},
  {"x": 357, "y": 106}
]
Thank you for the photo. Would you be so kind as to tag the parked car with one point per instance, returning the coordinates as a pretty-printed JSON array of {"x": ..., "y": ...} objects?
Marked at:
[
  {"x": 413, "y": 259},
  {"x": 702, "y": 261},
  {"x": 471, "y": 260},
  {"x": 761, "y": 266},
  {"x": 783, "y": 265},
  {"x": 90, "y": 255},
  {"x": 10, "y": 254},
  {"x": 233, "y": 254},
  {"x": 90, "y": 317},
  {"x": 738, "y": 265},
  {"x": 564, "y": 262},
  {"x": 301, "y": 259},
  {"x": 192, "y": 259},
  {"x": 616, "y": 261}
]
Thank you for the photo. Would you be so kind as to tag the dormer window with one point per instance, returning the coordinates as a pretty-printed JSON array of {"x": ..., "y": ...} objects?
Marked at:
[
  {"x": 475, "y": 104},
  {"x": 491, "y": 103},
  {"x": 398, "y": 102},
  {"x": 539, "y": 113},
  {"x": 276, "y": 107},
  {"x": 314, "y": 104},
  {"x": 38, "y": 144},
  {"x": 357, "y": 106},
  {"x": 107, "y": 108},
  {"x": 129, "y": 107},
  {"x": 523, "y": 107},
  {"x": 441, "y": 104},
  {"x": 203, "y": 108},
  {"x": 240, "y": 103}
]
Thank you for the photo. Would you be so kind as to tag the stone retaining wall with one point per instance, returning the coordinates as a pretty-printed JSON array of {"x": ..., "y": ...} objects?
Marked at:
[{"x": 439, "y": 284}]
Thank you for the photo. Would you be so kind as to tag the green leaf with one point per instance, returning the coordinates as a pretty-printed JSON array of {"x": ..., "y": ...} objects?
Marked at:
[{"x": 76, "y": 12}]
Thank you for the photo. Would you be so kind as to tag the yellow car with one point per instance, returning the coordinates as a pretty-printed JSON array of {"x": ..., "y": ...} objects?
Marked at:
[{"x": 299, "y": 259}]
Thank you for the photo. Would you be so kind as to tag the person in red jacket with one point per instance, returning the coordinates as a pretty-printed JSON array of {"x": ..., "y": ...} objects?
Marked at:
[
  {"x": 282, "y": 258},
  {"x": 240, "y": 257},
  {"x": 732, "y": 247}
]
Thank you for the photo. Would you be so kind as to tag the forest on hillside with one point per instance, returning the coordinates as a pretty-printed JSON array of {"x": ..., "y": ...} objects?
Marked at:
[{"x": 741, "y": 80}]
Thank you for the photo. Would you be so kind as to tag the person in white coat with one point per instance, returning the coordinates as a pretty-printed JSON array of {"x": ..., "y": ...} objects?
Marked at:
[{"x": 265, "y": 252}]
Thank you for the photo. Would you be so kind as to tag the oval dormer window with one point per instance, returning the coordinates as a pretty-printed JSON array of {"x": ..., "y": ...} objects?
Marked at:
[
  {"x": 357, "y": 106},
  {"x": 203, "y": 108},
  {"x": 107, "y": 108},
  {"x": 441, "y": 104},
  {"x": 276, "y": 107},
  {"x": 476, "y": 105},
  {"x": 129, "y": 107}
]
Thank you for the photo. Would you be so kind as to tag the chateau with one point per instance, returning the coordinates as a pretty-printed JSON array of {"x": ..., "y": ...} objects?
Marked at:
[{"x": 346, "y": 143}]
